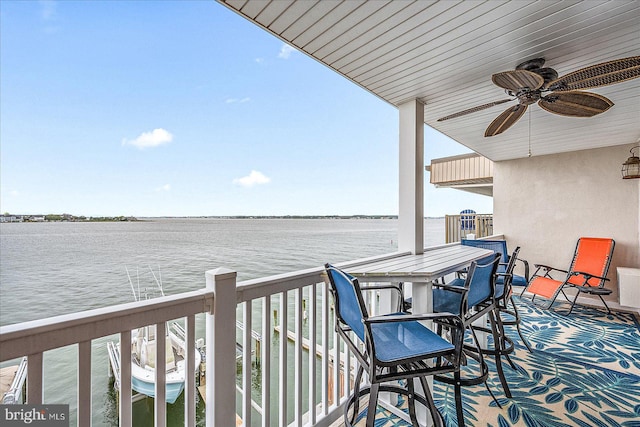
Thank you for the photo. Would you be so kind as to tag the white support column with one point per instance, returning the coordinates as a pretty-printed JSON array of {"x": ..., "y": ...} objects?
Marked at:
[
  {"x": 221, "y": 349},
  {"x": 411, "y": 209}
]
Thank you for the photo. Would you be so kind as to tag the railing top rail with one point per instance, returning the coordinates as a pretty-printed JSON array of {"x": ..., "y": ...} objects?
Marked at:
[
  {"x": 261, "y": 287},
  {"x": 45, "y": 334}
]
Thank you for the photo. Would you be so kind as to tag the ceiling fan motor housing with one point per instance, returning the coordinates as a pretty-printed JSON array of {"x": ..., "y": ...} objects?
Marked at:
[
  {"x": 531, "y": 64},
  {"x": 528, "y": 97}
]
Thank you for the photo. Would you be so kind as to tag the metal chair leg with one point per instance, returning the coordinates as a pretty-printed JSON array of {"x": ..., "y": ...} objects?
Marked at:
[
  {"x": 435, "y": 414},
  {"x": 605, "y": 304},
  {"x": 373, "y": 405},
  {"x": 458, "y": 398},
  {"x": 356, "y": 392},
  {"x": 573, "y": 303},
  {"x": 412, "y": 402},
  {"x": 513, "y": 365},
  {"x": 599, "y": 296},
  {"x": 517, "y": 322},
  {"x": 483, "y": 365},
  {"x": 499, "y": 345}
]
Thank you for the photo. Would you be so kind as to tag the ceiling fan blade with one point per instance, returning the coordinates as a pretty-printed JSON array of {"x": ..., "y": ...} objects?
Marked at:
[
  {"x": 505, "y": 120},
  {"x": 575, "y": 103},
  {"x": 474, "y": 109},
  {"x": 606, "y": 73},
  {"x": 518, "y": 79}
]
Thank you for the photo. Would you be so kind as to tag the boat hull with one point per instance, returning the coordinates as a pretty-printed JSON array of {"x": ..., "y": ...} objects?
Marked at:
[
  {"x": 143, "y": 379},
  {"x": 173, "y": 390}
]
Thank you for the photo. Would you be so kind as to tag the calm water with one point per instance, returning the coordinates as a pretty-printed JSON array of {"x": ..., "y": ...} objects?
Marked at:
[{"x": 47, "y": 269}]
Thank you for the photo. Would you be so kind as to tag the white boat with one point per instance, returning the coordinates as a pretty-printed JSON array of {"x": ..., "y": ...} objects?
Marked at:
[{"x": 143, "y": 355}]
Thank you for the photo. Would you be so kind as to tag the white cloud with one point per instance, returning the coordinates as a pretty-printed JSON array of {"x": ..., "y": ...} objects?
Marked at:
[
  {"x": 285, "y": 51},
  {"x": 166, "y": 187},
  {"x": 48, "y": 9},
  {"x": 49, "y": 16},
  {"x": 254, "y": 178},
  {"x": 237, "y": 100},
  {"x": 259, "y": 60},
  {"x": 150, "y": 139}
]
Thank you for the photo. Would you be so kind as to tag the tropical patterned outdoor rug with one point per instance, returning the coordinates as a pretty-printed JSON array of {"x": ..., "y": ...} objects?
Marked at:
[{"x": 584, "y": 371}]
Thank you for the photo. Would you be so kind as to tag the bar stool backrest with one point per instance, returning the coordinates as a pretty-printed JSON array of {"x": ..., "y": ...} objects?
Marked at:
[
  {"x": 481, "y": 280},
  {"x": 350, "y": 307}
]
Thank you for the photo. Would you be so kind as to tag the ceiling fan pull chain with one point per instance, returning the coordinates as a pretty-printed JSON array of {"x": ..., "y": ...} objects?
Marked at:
[{"x": 529, "y": 133}]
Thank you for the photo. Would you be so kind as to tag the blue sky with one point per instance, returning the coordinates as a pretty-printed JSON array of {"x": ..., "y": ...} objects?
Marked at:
[{"x": 163, "y": 108}]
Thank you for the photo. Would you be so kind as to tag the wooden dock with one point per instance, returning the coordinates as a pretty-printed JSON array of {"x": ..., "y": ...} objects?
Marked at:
[
  {"x": 12, "y": 380},
  {"x": 306, "y": 344},
  {"x": 7, "y": 375},
  {"x": 203, "y": 393}
]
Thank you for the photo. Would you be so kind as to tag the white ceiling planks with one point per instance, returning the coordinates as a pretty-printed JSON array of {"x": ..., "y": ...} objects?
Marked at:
[{"x": 445, "y": 52}]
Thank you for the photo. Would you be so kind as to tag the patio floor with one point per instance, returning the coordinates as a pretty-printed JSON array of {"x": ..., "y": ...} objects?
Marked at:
[{"x": 584, "y": 371}]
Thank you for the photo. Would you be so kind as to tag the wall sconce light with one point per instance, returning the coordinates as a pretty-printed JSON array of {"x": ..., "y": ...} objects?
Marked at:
[{"x": 631, "y": 168}]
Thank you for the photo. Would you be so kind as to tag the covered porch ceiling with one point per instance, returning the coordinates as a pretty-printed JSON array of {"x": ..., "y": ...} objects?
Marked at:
[{"x": 445, "y": 52}]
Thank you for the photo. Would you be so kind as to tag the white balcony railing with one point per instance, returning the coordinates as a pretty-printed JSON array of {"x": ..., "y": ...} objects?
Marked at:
[{"x": 310, "y": 365}]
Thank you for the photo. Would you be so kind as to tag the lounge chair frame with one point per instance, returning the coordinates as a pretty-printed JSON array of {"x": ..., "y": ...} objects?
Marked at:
[{"x": 589, "y": 283}]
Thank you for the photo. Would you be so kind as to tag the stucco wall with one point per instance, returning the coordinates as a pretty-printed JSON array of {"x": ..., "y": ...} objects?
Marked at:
[{"x": 544, "y": 204}]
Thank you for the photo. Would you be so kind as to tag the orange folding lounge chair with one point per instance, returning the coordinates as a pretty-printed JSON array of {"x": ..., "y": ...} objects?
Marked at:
[{"x": 587, "y": 273}]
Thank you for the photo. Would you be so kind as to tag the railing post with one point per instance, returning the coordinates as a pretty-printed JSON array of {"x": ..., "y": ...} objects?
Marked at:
[
  {"x": 126, "y": 418},
  {"x": 35, "y": 389},
  {"x": 477, "y": 227},
  {"x": 447, "y": 231},
  {"x": 160, "y": 401},
  {"x": 84, "y": 383},
  {"x": 190, "y": 367},
  {"x": 221, "y": 349}
]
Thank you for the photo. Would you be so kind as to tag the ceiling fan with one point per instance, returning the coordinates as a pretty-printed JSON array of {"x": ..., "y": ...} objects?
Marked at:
[{"x": 530, "y": 83}]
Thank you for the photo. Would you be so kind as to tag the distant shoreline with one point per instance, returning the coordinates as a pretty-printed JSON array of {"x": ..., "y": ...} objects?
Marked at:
[
  {"x": 281, "y": 217},
  {"x": 6, "y": 218}
]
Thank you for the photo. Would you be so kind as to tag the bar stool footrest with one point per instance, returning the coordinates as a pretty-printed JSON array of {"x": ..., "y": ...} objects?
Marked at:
[{"x": 383, "y": 388}]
